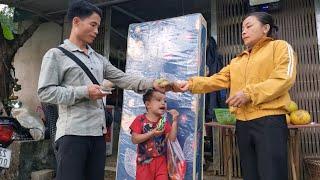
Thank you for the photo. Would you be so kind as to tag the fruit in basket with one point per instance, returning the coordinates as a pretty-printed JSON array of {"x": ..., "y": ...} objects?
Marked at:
[
  {"x": 300, "y": 117},
  {"x": 288, "y": 119},
  {"x": 291, "y": 107}
]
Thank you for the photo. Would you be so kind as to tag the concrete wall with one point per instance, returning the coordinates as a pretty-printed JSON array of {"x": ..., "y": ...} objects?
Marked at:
[{"x": 28, "y": 60}]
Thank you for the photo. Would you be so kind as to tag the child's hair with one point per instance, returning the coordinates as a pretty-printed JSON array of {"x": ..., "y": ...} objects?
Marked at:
[{"x": 148, "y": 94}]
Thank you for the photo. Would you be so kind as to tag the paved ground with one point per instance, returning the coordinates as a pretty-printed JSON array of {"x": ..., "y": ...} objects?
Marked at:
[{"x": 111, "y": 162}]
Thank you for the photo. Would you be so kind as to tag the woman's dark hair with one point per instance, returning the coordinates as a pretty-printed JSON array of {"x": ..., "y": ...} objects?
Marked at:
[
  {"x": 265, "y": 18},
  {"x": 82, "y": 9}
]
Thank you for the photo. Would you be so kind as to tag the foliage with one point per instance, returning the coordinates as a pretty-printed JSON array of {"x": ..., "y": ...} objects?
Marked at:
[{"x": 7, "y": 23}]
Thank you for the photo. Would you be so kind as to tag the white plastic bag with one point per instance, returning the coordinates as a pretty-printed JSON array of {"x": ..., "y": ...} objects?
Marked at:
[
  {"x": 177, "y": 165},
  {"x": 30, "y": 122}
]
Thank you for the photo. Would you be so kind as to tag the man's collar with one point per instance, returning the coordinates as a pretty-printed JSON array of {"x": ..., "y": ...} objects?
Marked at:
[{"x": 72, "y": 47}]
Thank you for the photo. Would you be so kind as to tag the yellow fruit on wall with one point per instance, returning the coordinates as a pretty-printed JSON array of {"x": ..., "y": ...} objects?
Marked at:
[
  {"x": 288, "y": 119},
  {"x": 300, "y": 117},
  {"x": 292, "y": 106}
]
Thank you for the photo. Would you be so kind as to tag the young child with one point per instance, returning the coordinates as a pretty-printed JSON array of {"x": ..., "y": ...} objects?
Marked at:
[{"x": 151, "y": 152}]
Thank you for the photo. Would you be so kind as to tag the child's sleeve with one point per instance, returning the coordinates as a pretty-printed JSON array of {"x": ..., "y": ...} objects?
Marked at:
[
  {"x": 136, "y": 125},
  {"x": 167, "y": 127}
]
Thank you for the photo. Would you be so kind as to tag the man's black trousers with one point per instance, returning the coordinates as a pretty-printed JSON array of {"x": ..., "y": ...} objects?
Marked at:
[{"x": 80, "y": 157}]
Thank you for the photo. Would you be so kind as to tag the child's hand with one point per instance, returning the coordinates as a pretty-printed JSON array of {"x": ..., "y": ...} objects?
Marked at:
[
  {"x": 174, "y": 114},
  {"x": 156, "y": 132}
]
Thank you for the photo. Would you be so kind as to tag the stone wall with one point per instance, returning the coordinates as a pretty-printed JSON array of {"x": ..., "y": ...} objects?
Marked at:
[
  {"x": 27, "y": 62},
  {"x": 28, "y": 156}
]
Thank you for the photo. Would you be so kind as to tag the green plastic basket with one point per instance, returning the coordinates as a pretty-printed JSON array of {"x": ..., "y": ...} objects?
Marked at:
[{"x": 224, "y": 116}]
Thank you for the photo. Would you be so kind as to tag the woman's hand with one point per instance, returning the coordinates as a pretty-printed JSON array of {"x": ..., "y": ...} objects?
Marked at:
[
  {"x": 238, "y": 99},
  {"x": 180, "y": 86}
]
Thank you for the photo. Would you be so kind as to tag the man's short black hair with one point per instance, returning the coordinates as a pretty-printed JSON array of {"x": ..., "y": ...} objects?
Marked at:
[{"x": 82, "y": 9}]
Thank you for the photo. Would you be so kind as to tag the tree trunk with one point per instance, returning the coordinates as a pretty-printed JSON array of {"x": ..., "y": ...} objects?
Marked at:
[
  {"x": 3, "y": 76},
  {"x": 8, "y": 50}
]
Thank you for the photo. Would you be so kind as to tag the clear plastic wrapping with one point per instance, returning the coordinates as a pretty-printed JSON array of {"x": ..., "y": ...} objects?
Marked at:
[{"x": 173, "y": 49}]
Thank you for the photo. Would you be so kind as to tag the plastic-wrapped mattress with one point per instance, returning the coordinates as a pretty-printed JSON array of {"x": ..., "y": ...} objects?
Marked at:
[{"x": 173, "y": 49}]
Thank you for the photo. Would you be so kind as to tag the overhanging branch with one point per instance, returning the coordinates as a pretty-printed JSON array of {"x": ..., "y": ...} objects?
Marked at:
[
  {"x": 1, "y": 34},
  {"x": 9, "y": 2},
  {"x": 18, "y": 4},
  {"x": 98, "y": 3},
  {"x": 22, "y": 38}
]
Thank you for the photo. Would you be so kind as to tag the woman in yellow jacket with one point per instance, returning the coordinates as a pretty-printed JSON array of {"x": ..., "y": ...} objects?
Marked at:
[{"x": 259, "y": 79}]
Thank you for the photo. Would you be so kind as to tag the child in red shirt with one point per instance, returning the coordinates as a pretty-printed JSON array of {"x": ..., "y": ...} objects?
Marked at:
[{"x": 152, "y": 147}]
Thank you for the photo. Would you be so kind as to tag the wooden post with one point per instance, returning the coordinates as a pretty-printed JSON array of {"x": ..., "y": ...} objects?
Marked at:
[
  {"x": 291, "y": 155},
  {"x": 225, "y": 151},
  {"x": 297, "y": 151},
  {"x": 229, "y": 155}
]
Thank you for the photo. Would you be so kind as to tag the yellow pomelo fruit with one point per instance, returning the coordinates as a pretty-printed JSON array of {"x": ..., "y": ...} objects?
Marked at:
[
  {"x": 162, "y": 82},
  {"x": 292, "y": 106},
  {"x": 300, "y": 117},
  {"x": 288, "y": 119}
]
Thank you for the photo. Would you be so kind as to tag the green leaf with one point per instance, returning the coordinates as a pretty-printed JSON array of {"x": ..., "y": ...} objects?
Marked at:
[{"x": 7, "y": 33}]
